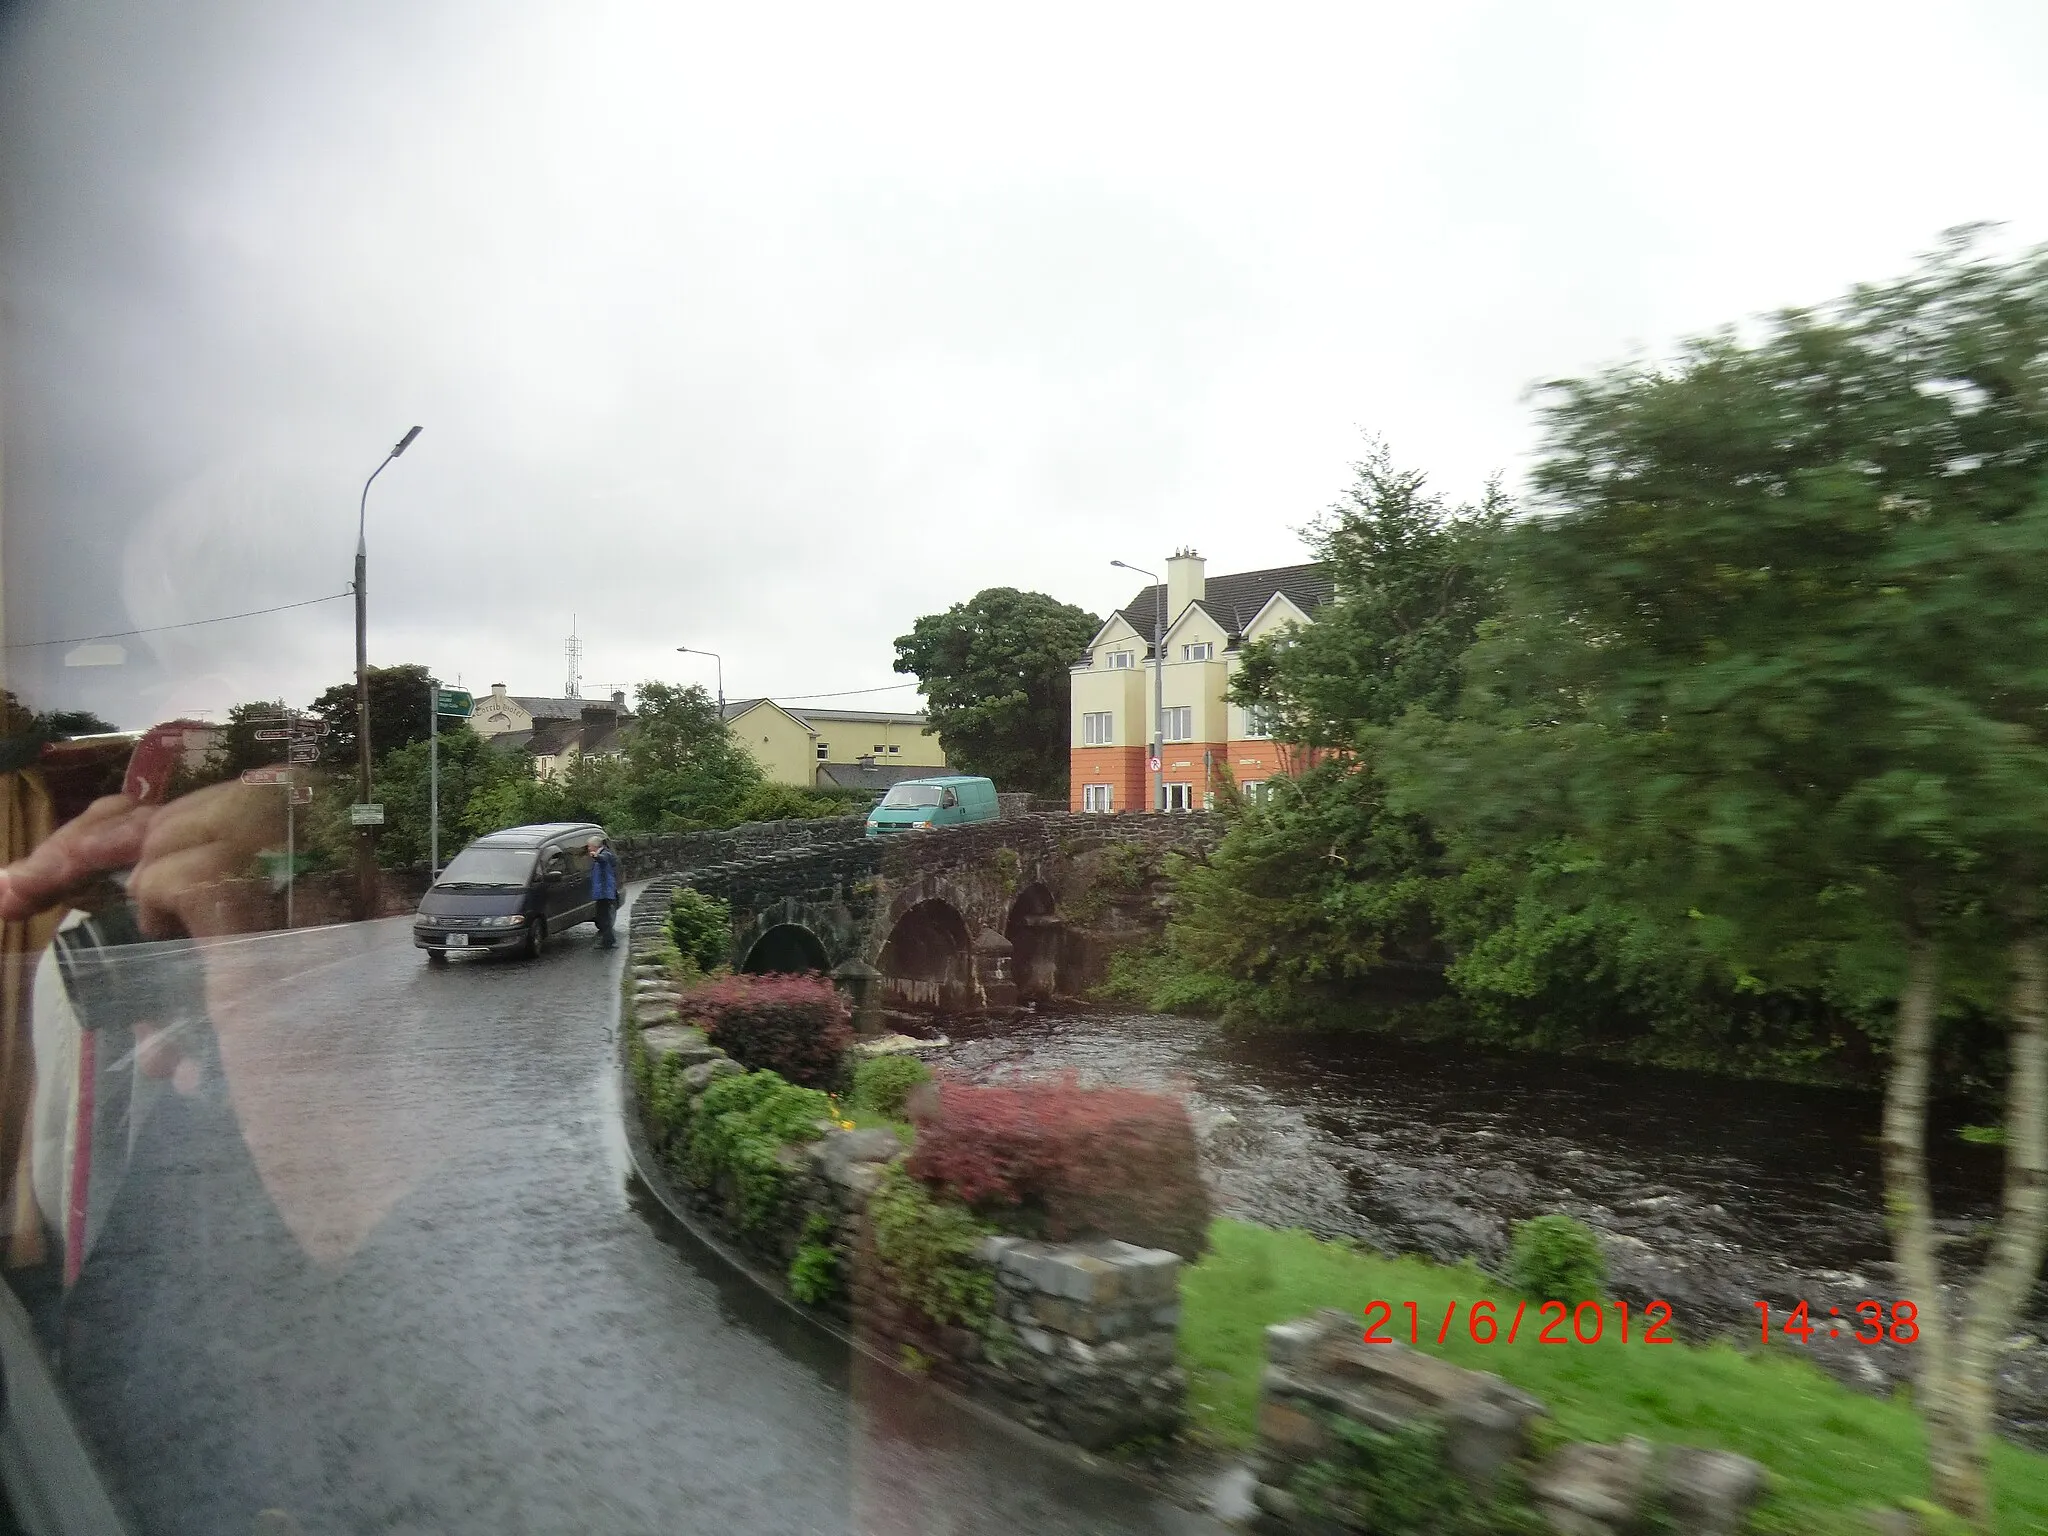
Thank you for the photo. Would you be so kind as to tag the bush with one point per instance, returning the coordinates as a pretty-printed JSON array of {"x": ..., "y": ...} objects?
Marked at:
[
  {"x": 1070, "y": 1160},
  {"x": 882, "y": 1083},
  {"x": 739, "y": 1125},
  {"x": 795, "y": 1025},
  {"x": 928, "y": 1252},
  {"x": 700, "y": 927},
  {"x": 1557, "y": 1258},
  {"x": 814, "y": 1272}
]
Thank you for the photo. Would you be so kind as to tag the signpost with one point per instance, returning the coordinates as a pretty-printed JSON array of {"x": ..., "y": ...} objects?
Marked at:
[
  {"x": 301, "y": 735},
  {"x": 366, "y": 815},
  {"x": 296, "y": 794},
  {"x": 456, "y": 703}
]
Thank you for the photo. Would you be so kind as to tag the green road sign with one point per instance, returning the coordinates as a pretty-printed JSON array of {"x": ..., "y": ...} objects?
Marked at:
[{"x": 453, "y": 701}]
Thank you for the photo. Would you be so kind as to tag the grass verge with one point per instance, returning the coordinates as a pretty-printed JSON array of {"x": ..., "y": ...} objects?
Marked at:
[{"x": 1831, "y": 1452}]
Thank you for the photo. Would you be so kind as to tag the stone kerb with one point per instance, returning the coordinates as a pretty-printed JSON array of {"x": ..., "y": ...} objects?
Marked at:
[
  {"x": 1321, "y": 1376},
  {"x": 1080, "y": 1341}
]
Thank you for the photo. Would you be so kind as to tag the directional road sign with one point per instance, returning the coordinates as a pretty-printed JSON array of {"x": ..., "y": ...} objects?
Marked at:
[
  {"x": 270, "y": 776},
  {"x": 455, "y": 702},
  {"x": 366, "y": 815}
]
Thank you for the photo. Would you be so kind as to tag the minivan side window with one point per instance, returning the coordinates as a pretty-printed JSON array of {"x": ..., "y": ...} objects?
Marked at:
[{"x": 948, "y": 800}]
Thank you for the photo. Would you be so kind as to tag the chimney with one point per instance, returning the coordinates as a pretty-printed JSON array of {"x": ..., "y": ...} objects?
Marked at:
[
  {"x": 1185, "y": 582},
  {"x": 497, "y": 690},
  {"x": 618, "y": 701}
]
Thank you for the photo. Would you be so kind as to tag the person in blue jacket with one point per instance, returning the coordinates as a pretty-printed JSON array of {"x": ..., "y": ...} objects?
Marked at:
[{"x": 604, "y": 889}]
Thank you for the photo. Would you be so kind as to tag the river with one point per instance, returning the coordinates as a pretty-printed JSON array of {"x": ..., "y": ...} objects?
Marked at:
[{"x": 1709, "y": 1193}]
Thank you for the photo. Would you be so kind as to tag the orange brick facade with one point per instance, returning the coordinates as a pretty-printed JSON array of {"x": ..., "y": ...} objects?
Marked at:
[
  {"x": 1122, "y": 768},
  {"x": 1187, "y": 762}
]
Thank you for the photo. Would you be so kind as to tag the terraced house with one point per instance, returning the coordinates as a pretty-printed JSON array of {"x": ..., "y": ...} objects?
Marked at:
[{"x": 1208, "y": 622}]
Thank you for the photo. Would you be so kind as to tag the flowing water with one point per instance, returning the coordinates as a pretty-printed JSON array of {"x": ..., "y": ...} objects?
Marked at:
[{"x": 1709, "y": 1193}]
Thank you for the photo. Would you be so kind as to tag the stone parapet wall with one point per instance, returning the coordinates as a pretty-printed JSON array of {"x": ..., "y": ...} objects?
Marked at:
[{"x": 1080, "y": 1340}]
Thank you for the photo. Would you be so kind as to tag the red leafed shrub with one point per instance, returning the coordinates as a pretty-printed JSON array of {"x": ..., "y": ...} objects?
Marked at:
[
  {"x": 1110, "y": 1162},
  {"x": 795, "y": 1025}
]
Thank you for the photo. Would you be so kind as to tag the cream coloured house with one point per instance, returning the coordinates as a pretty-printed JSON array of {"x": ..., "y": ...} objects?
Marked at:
[
  {"x": 1208, "y": 623},
  {"x": 803, "y": 746}
]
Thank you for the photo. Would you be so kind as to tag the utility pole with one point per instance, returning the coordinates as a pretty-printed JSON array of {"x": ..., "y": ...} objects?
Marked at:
[
  {"x": 433, "y": 781},
  {"x": 1158, "y": 685},
  {"x": 366, "y": 833}
]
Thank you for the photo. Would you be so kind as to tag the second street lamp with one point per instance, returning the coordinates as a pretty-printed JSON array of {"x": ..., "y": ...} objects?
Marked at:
[
  {"x": 366, "y": 835},
  {"x": 685, "y": 650}
]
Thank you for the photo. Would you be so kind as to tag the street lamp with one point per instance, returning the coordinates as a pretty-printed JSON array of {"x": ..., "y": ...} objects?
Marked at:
[
  {"x": 1158, "y": 682},
  {"x": 366, "y": 865},
  {"x": 684, "y": 650}
]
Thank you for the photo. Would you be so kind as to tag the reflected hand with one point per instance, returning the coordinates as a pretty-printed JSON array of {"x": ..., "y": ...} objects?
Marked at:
[{"x": 179, "y": 853}]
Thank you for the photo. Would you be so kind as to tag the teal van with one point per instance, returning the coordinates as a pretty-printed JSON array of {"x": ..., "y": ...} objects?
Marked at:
[{"x": 918, "y": 804}]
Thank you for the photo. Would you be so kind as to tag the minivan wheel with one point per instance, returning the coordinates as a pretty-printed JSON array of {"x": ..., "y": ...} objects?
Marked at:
[{"x": 536, "y": 938}]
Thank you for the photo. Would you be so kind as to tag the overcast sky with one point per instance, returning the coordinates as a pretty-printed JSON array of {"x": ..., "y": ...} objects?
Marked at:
[{"x": 768, "y": 329}]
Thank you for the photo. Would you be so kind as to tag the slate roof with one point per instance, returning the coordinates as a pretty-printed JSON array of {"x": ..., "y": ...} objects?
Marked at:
[
  {"x": 878, "y": 776},
  {"x": 599, "y": 733},
  {"x": 543, "y": 708},
  {"x": 1234, "y": 601},
  {"x": 737, "y": 707}
]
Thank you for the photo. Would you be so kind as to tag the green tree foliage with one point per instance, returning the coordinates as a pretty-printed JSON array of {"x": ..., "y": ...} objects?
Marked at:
[
  {"x": 995, "y": 675},
  {"x": 398, "y": 712},
  {"x": 1777, "y": 656},
  {"x": 700, "y": 927},
  {"x": 1413, "y": 578},
  {"x": 471, "y": 772},
  {"x": 683, "y": 768}
]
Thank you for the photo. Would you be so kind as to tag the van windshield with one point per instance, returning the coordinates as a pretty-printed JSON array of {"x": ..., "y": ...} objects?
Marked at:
[
  {"x": 912, "y": 794},
  {"x": 488, "y": 866}
]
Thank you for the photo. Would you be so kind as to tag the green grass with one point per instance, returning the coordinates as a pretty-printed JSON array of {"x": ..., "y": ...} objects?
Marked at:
[{"x": 1830, "y": 1451}]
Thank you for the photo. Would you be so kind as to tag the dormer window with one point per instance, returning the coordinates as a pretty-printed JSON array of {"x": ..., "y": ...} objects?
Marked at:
[
  {"x": 1201, "y": 650},
  {"x": 1120, "y": 660}
]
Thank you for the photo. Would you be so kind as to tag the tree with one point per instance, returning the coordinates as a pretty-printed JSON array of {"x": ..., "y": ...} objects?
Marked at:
[
  {"x": 685, "y": 770},
  {"x": 398, "y": 713},
  {"x": 1777, "y": 660},
  {"x": 1413, "y": 578},
  {"x": 470, "y": 768},
  {"x": 995, "y": 675}
]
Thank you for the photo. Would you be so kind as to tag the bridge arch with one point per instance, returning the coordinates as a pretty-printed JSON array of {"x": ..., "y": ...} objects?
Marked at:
[
  {"x": 927, "y": 960},
  {"x": 786, "y": 947},
  {"x": 1034, "y": 931}
]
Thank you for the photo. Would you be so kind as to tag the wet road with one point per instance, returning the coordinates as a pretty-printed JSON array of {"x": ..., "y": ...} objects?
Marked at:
[{"x": 381, "y": 1267}]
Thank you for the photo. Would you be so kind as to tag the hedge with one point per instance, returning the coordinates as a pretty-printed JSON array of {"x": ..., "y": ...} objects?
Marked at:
[
  {"x": 1055, "y": 1158},
  {"x": 795, "y": 1025}
]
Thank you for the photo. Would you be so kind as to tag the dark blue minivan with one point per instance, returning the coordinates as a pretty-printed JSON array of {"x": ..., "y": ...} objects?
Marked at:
[{"x": 509, "y": 890}]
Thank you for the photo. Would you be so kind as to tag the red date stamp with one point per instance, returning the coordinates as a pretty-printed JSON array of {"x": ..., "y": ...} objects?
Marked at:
[
  {"x": 1550, "y": 1322},
  {"x": 1875, "y": 1324}
]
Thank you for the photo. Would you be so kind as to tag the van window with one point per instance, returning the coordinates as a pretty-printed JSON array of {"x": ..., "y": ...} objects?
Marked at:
[
  {"x": 905, "y": 795},
  {"x": 948, "y": 800},
  {"x": 489, "y": 866}
]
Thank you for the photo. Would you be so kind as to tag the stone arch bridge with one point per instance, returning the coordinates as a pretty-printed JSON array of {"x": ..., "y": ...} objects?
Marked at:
[{"x": 956, "y": 920}]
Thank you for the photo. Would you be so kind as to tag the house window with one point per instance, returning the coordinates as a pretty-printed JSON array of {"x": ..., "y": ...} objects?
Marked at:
[
  {"x": 880, "y": 749},
  {"x": 1257, "y": 791},
  {"x": 1258, "y": 725},
  {"x": 1098, "y": 730},
  {"x": 895, "y": 749},
  {"x": 1179, "y": 722},
  {"x": 824, "y": 751},
  {"x": 1201, "y": 650},
  {"x": 1119, "y": 660},
  {"x": 1096, "y": 798},
  {"x": 1180, "y": 797}
]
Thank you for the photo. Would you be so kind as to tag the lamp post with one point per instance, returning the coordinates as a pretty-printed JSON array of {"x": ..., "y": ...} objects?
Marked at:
[
  {"x": 366, "y": 836},
  {"x": 1158, "y": 683},
  {"x": 684, "y": 650}
]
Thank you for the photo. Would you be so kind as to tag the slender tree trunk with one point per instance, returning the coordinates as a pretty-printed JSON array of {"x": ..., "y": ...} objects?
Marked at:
[
  {"x": 1909, "y": 1205},
  {"x": 2015, "y": 1260}
]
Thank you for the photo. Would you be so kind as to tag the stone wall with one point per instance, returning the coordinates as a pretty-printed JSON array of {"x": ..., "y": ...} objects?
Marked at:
[
  {"x": 1080, "y": 1343},
  {"x": 1323, "y": 1386}
]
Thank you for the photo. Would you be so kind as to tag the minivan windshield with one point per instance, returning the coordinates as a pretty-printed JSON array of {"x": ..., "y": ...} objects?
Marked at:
[
  {"x": 487, "y": 866},
  {"x": 911, "y": 795}
]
